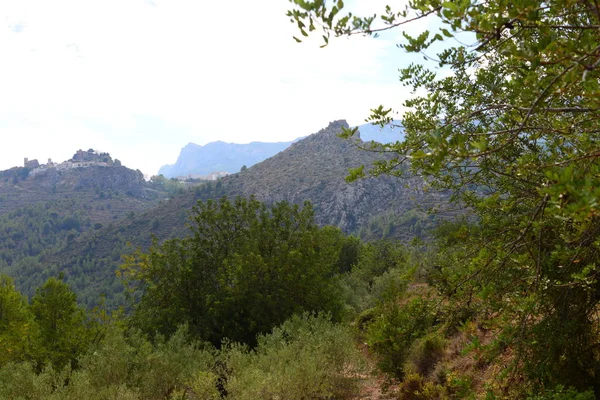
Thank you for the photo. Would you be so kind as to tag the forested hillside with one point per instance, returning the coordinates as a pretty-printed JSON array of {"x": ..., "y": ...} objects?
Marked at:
[
  {"x": 254, "y": 286},
  {"x": 312, "y": 169},
  {"x": 42, "y": 211}
]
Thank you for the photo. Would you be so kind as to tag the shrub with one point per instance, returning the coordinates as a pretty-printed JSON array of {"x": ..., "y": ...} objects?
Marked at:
[
  {"x": 121, "y": 368},
  {"x": 363, "y": 289},
  {"x": 395, "y": 329},
  {"x": 307, "y": 357},
  {"x": 415, "y": 387},
  {"x": 156, "y": 370},
  {"x": 19, "y": 381},
  {"x": 425, "y": 354}
]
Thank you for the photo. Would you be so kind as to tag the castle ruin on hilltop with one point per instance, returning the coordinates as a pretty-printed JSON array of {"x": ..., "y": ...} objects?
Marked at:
[{"x": 81, "y": 159}]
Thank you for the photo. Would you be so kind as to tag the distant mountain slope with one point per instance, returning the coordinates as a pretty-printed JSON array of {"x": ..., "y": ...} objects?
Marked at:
[
  {"x": 74, "y": 179},
  {"x": 311, "y": 169},
  {"x": 45, "y": 207},
  {"x": 230, "y": 157},
  {"x": 220, "y": 156}
]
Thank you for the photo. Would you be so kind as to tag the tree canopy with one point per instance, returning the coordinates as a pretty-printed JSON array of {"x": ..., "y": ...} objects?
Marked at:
[
  {"x": 244, "y": 269},
  {"x": 512, "y": 128},
  {"x": 63, "y": 329}
]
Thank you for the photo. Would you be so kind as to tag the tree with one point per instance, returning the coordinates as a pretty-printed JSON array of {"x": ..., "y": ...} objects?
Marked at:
[
  {"x": 63, "y": 334},
  {"x": 16, "y": 326},
  {"x": 245, "y": 269},
  {"x": 512, "y": 129}
]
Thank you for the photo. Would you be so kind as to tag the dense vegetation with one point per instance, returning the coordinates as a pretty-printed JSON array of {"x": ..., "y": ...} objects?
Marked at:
[
  {"x": 511, "y": 128},
  {"x": 246, "y": 306},
  {"x": 245, "y": 269},
  {"x": 260, "y": 302},
  {"x": 106, "y": 224}
]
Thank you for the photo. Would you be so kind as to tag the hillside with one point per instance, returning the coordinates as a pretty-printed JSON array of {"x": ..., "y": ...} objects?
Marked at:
[
  {"x": 45, "y": 207},
  {"x": 80, "y": 178},
  {"x": 315, "y": 169},
  {"x": 312, "y": 169}
]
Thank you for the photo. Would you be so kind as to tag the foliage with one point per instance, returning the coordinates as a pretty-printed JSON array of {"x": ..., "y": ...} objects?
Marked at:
[
  {"x": 63, "y": 332},
  {"x": 560, "y": 393},
  {"x": 155, "y": 369},
  {"x": 415, "y": 387},
  {"x": 121, "y": 367},
  {"x": 381, "y": 270},
  {"x": 511, "y": 127},
  {"x": 307, "y": 357},
  {"x": 16, "y": 327},
  {"x": 394, "y": 330},
  {"x": 245, "y": 269}
]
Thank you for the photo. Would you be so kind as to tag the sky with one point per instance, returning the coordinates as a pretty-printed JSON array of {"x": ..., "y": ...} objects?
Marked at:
[{"x": 140, "y": 79}]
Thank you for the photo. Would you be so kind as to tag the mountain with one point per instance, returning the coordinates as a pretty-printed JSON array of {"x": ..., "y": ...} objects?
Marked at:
[
  {"x": 45, "y": 207},
  {"x": 312, "y": 169},
  {"x": 220, "y": 157},
  {"x": 315, "y": 169},
  {"x": 89, "y": 175},
  {"x": 230, "y": 157}
]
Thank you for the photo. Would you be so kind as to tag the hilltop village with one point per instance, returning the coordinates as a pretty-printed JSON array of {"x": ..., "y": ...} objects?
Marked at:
[{"x": 81, "y": 159}]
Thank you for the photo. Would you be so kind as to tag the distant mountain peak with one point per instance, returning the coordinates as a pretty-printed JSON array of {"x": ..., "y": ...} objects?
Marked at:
[{"x": 220, "y": 156}]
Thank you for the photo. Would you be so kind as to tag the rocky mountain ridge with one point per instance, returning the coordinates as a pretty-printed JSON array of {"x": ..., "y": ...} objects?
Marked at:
[{"x": 195, "y": 160}]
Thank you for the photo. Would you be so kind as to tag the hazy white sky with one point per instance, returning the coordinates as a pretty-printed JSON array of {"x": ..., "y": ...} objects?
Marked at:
[{"x": 142, "y": 78}]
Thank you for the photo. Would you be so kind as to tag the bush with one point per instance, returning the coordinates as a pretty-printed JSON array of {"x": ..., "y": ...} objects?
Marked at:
[
  {"x": 395, "y": 329},
  {"x": 19, "y": 381},
  {"x": 121, "y": 368},
  {"x": 307, "y": 357},
  {"x": 155, "y": 370},
  {"x": 415, "y": 387},
  {"x": 364, "y": 288},
  {"x": 425, "y": 354}
]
